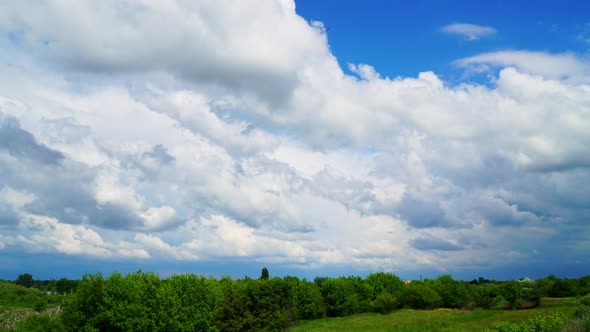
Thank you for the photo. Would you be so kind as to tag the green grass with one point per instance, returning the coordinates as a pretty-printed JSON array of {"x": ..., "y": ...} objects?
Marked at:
[{"x": 441, "y": 320}]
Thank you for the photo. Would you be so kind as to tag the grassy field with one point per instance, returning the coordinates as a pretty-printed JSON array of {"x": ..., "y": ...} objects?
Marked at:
[{"x": 441, "y": 320}]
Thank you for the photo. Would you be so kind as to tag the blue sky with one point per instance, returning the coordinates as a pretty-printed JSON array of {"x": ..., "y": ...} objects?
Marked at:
[
  {"x": 311, "y": 137},
  {"x": 403, "y": 38}
]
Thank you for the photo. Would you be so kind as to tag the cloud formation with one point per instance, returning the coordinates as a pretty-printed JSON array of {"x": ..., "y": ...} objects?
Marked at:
[
  {"x": 217, "y": 130},
  {"x": 565, "y": 66},
  {"x": 468, "y": 31}
]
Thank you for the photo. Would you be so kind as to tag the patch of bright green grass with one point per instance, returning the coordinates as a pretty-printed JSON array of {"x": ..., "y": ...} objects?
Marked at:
[{"x": 441, "y": 320}]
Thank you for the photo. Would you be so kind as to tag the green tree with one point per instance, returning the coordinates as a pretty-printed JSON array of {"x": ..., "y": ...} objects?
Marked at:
[
  {"x": 384, "y": 282},
  {"x": 511, "y": 291},
  {"x": 453, "y": 293},
  {"x": 264, "y": 275},
  {"x": 63, "y": 286},
  {"x": 385, "y": 303},
  {"x": 564, "y": 288},
  {"x": 416, "y": 295},
  {"x": 25, "y": 280},
  {"x": 85, "y": 309},
  {"x": 483, "y": 295},
  {"x": 307, "y": 300},
  {"x": 340, "y": 296}
]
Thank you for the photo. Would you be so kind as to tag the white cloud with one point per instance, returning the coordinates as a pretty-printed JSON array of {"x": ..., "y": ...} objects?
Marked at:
[
  {"x": 469, "y": 31},
  {"x": 201, "y": 41},
  {"x": 551, "y": 66},
  {"x": 202, "y": 131},
  {"x": 15, "y": 198}
]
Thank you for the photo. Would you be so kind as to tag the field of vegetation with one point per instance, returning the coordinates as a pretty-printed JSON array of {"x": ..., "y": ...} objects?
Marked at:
[
  {"x": 380, "y": 302},
  {"x": 440, "y": 320}
]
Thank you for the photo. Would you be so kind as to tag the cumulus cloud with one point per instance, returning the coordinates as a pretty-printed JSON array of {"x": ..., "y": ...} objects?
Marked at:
[
  {"x": 203, "y": 42},
  {"x": 468, "y": 31},
  {"x": 202, "y": 131},
  {"x": 21, "y": 143},
  {"x": 551, "y": 66}
]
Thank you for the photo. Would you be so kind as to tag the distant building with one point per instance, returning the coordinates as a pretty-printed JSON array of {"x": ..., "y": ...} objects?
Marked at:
[{"x": 526, "y": 280}]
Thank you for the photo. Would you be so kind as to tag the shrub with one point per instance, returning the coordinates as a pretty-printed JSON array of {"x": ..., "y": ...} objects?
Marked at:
[
  {"x": 39, "y": 323},
  {"x": 384, "y": 282},
  {"x": 511, "y": 291},
  {"x": 452, "y": 292},
  {"x": 542, "y": 323},
  {"x": 307, "y": 300},
  {"x": 564, "y": 288},
  {"x": 582, "y": 312},
  {"x": 40, "y": 304},
  {"x": 385, "y": 303},
  {"x": 419, "y": 296},
  {"x": 483, "y": 295},
  {"x": 253, "y": 305},
  {"x": 340, "y": 297}
]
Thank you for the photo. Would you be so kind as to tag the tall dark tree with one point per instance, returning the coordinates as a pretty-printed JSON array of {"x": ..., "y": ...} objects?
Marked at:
[
  {"x": 264, "y": 275},
  {"x": 25, "y": 279}
]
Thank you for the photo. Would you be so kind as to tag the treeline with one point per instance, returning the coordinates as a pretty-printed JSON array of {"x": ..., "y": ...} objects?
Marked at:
[
  {"x": 144, "y": 302},
  {"x": 12, "y": 295},
  {"x": 61, "y": 286}
]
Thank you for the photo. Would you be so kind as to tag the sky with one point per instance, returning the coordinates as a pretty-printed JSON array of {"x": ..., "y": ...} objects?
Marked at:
[{"x": 314, "y": 138}]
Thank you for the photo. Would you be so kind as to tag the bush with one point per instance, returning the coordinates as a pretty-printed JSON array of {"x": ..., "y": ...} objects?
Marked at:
[
  {"x": 564, "y": 288},
  {"x": 384, "y": 282},
  {"x": 499, "y": 302},
  {"x": 307, "y": 300},
  {"x": 532, "y": 296},
  {"x": 142, "y": 302},
  {"x": 39, "y": 323},
  {"x": 453, "y": 293},
  {"x": 385, "y": 303},
  {"x": 340, "y": 297},
  {"x": 84, "y": 309},
  {"x": 582, "y": 312},
  {"x": 483, "y": 295},
  {"x": 511, "y": 291},
  {"x": 40, "y": 304},
  {"x": 419, "y": 296},
  {"x": 542, "y": 323},
  {"x": 254, "y": 305}
]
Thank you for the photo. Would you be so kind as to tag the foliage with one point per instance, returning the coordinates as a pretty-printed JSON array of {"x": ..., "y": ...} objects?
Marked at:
[
  {"x": 417, "y": 295},
  {"x": 384, "y": 283},
  {"x": 541, "y": 323},
  {"x": 143, "y": 301},
  {"x": 585, "y": 300},
  {"x": 40, "y": 304},
  {"x": 25, "y": 280},
  {"x": 564, "y": 288},
  {"x": 19, "y": 296},
  {"x": 483, "y": 296},
  {"x": 85, "y": 309},
  {"x": 253, "y": 305},
  {"x": 454, "y": 294},
  {"x": 264, "y": 274},
  {"x": 439, "y": 320},
  {"x": 39, "y": 323},
  {"x": 531, "y": 295},
  {"x": 65, "y": 286},
  {"x": 340, "y": 297},
  {"x": 306, "y": 299},
  {"x": 385, "y": 303},
  {"x": 511, "y": 291}
]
